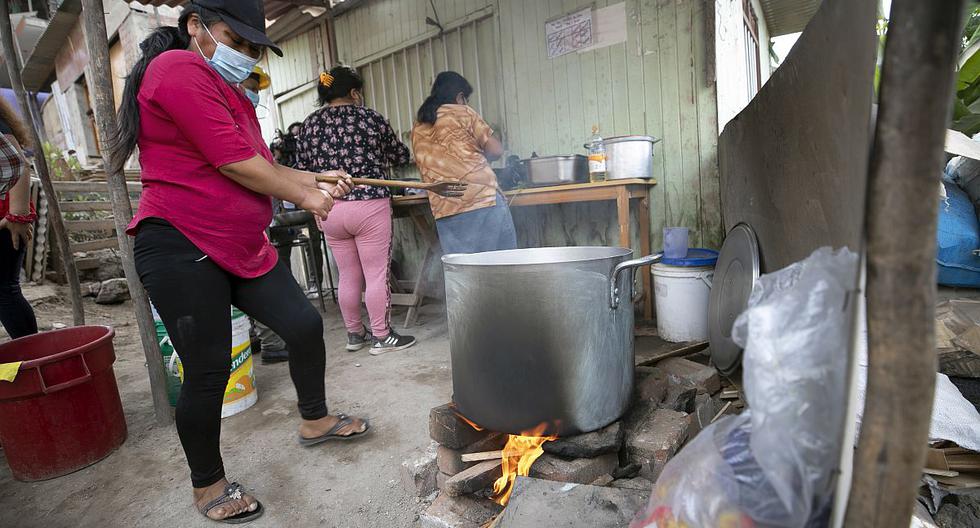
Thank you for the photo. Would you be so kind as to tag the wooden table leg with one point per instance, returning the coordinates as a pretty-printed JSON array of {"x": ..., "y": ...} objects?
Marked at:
[
  {"x": 623, "y": 214},
  {"x": 644, "y": 251},
  {"x": 421, "y": 281},
  {"x": 419, "y": 289}
]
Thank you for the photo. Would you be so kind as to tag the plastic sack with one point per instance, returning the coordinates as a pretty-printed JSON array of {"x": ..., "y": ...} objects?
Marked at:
[{"x": 772, "y": 466}]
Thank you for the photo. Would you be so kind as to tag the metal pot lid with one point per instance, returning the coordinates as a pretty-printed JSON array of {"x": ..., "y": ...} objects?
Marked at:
[
  {"x": 696, "y": 258},
  {"x": 735, "y": 275},
  {"x": 620, "y": 139}
]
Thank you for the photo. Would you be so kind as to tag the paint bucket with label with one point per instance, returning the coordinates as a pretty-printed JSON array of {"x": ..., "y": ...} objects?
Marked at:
[{"x": 240, "y": 393}]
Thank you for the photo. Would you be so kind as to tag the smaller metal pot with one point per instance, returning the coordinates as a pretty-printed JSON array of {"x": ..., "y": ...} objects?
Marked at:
[{"x": 557, "y": 170}]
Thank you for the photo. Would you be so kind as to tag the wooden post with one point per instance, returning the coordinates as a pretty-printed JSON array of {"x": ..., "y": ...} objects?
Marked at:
[
  {"x": 41, "y": 162},
  {"x": 97, "y": 43},
  {"x": 902, "y": 208}
]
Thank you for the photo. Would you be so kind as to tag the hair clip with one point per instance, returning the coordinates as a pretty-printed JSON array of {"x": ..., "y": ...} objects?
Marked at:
[{"x": 326, "y": 79}]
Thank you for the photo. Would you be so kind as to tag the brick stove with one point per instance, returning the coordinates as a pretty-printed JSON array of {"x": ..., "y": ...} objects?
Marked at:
[{"x": 673, "y": 401}]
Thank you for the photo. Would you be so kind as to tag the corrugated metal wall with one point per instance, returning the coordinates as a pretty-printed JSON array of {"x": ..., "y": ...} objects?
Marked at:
[
  {"x": 295, "y": 75},
  {"x": 656, "y": 83}
]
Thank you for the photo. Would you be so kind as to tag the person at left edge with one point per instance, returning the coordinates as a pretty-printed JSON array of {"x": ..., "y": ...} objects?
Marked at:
[{"x": 200, "y": 229}]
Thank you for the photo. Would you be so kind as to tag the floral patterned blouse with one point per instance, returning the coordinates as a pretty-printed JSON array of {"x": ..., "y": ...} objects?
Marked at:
[{"x": 354, "y": 138}]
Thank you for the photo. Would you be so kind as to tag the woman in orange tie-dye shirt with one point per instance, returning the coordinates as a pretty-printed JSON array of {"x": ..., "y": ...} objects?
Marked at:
[{"x": 453, "y": 143}]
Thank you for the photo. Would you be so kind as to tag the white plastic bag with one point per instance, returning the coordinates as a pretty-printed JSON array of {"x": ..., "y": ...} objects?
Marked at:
[{"x": 773, "y": 465}]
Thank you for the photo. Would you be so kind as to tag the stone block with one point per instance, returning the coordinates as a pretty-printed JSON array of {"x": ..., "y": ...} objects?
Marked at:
[
  {"x": 577, "y": 470},
  {"x": 113, "y": 291},
  {"x": 651, "y": 384},
  {"x": 449, "y": 460},
  {"x": 656, "y": 438},
  {"x": 705, "y": 378},
  {"x": 473, "y": 479},
  {"x": 680, "y": 396},
  {"x": 459, "y": 512},
  {"x": 448, "y": 429},
  {"x": 536, "y": 503},
  {"x": 635, "y": 483},
  {"x": 419, "y": 472},
  {"x": 705, "y": 409},
  {"x": 589, "y": 445}
]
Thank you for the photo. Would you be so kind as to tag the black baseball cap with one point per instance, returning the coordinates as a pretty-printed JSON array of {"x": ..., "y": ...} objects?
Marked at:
[{"x": 245, "y": 17}]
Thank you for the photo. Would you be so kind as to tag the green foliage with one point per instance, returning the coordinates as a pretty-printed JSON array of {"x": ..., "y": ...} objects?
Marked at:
[{"x": 966, "y": 105}]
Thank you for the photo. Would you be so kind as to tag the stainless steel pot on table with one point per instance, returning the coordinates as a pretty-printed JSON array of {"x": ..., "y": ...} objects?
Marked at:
[
  {"x": 542, "y": 335},
  {"x": 629, "y": 157},
  {"x": 557, "y": 170}
]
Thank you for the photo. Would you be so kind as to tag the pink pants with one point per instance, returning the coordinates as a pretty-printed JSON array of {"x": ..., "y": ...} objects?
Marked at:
[{"x": 359, "y": 235}]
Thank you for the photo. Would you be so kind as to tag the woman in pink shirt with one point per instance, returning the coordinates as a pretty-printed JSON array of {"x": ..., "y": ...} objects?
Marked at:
[{"x": 200, "y": 242}]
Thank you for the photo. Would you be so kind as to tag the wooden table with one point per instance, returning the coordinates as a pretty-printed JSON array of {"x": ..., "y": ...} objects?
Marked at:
[{"x": 622, "y": 191}]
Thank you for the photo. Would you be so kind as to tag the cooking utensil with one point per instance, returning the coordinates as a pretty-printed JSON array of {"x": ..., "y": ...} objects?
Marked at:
[
  {"x": 444, "y": 188},
  {"x": 557, "y": 170},
  {"x": 542, "y": 335},
  {"x": 736, "y": 272},
  {"x": 629, "y": 157}
]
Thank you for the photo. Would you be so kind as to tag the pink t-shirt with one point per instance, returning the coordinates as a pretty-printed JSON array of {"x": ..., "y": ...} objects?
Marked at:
[{"x": 191, "y": 123}]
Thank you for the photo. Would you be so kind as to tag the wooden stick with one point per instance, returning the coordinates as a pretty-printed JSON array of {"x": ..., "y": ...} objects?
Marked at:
[
  {"x": 721, "y": 412},
  {"x": 40, "y": 161},
  {"x": 93, "y": 13},
  {"x": 906, "y": 162},
  {"x": 399, "y": 184},
  {"x": 488, "y": 455}
]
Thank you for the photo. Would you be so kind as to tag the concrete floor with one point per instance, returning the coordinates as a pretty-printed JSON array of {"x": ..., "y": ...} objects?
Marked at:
[{"x": 145, "y": 482}]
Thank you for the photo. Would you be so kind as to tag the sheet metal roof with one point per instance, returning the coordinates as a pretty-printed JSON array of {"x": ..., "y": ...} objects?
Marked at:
[
  {"x": 788, "y": 16},
  {"x": 273, "y": 8}
]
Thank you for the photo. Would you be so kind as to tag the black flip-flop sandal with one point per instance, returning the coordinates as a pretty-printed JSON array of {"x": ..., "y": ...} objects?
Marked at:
[
  {"x": 343, "y": 421},
  {"x": 233, "y": 492}
]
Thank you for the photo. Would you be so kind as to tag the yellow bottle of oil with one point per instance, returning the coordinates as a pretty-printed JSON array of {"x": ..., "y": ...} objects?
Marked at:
[{"x": 597, "y": 157}]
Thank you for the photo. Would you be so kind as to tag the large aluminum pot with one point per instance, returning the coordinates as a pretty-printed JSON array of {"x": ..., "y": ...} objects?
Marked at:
[
  {"x": 542, "y": 335},
  {"x": 629, "y": 157}
]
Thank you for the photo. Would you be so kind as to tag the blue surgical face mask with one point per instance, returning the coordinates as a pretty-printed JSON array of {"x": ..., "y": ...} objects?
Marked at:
[
  {"x": 252, "y": 96},
  {"x": 232, "y": 65}
]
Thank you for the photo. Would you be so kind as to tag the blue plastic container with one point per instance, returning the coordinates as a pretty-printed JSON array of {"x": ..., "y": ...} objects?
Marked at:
[{"x": 957, "y": 238}]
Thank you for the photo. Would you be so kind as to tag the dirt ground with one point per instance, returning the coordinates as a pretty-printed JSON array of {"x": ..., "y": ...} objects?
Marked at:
[{"x": 146, "y": 481}]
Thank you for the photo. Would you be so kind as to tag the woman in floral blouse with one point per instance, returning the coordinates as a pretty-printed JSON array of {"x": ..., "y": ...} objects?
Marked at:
[{"x": 343, "y": 134}]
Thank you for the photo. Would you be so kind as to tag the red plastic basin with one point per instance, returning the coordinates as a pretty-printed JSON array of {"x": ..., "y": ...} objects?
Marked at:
[{"x": 62, "y": 412}]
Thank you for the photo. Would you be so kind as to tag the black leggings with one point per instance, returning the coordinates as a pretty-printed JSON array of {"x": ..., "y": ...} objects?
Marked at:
[
  {"x": 16, "y": 313},
  {"x": 193, "y": 297}
]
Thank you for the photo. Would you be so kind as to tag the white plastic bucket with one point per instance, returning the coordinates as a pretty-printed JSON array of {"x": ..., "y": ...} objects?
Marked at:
[{"x": 682, "y": 301}]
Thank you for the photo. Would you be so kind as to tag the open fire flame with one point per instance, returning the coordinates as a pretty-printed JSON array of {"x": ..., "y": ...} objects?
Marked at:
[{"x": 520, "y": 452}]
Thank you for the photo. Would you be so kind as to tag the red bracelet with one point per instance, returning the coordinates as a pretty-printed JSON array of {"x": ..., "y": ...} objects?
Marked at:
[{"x": 29, "y": 218}]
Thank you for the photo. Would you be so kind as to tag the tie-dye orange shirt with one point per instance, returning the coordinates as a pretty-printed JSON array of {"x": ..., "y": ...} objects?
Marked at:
[{"x": 452, "y": 150}]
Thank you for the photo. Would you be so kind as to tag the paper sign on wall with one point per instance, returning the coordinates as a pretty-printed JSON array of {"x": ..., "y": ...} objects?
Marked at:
[{"x": 569, "y": 33}]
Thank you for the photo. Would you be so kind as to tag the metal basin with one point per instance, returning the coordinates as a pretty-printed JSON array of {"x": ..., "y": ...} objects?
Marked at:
[
  {"x": 541, "y": 336},
  {"x": 557, "y": 170}
]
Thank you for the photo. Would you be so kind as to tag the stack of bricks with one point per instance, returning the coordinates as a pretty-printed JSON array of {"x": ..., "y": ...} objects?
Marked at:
[{"x": 673, "y": 402}]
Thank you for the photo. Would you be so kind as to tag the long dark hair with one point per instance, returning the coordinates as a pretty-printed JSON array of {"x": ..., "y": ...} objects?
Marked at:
[
  {"x": 344, "y": 80},
  {"x": 165, "y": 38},
  {"x": 17, "y": 126},
  {"x": 447, "y": 86}
]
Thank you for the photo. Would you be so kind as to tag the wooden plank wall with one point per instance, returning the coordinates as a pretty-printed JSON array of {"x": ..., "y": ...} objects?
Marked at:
[
  {"x": 659, "y": 83},
  {"x": 656, "y": 83}
]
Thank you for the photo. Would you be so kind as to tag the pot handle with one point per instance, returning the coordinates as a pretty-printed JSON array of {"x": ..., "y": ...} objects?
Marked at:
[{"x": 631, "y": 265}]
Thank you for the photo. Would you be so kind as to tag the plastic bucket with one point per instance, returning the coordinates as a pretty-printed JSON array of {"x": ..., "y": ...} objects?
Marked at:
[
  {"x": 62, "y": 412},
  {"x": 682, "y": 301},
  {"x": 240, "y": 393}
]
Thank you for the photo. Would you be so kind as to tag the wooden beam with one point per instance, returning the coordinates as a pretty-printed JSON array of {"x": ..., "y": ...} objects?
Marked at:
[
  {"x": 901, "y": 215},
  {"x": 85, "y": 207},
  {"x": 93, "y": 15},
  {"x": 40, "y": 162},
  {"x": 95, "y": 245},
  {"x": 81, "y": 226},
  {"x": 92, "y": 187}
]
